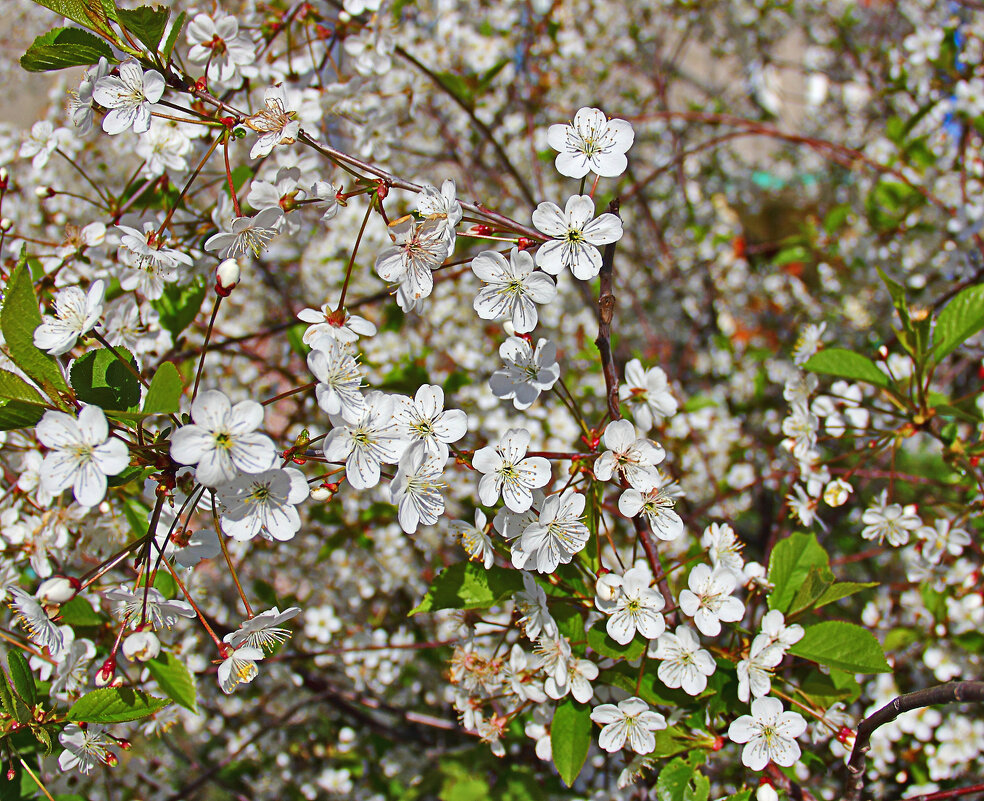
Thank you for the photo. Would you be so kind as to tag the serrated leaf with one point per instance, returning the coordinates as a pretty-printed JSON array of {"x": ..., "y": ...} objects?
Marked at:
[
  {"x": 100, "y": 378},
  {"x": 22, "y": 677},
  {"x": 681, "y": 781},
  {"x": 897, "y": 292},
  {"x": 147, "y": 23},
  {"x": 164, "y": 393},
  {"x": 115, "y": 705},
  {"x": 789, "y": 565},
  {"x": 79, "y": 612},
  {"x": 601, "y": 643},
  {"x": 960, "y": 319},
  {"x": 846, "y": 364},
  {"x": 175, "y": 679},
  {"x": 19, "y": 318},
  {"x": 180, "y": 304},
  {"x": 90, "y": 13},
  {"x": 7, "y": 696},
  {"x": 62, "y": 48},
  {"x": 814, "y": 585},
  {"x": 18, "y": 414},
  {"x": 43, "y": 736},
  {"x": 172, "y": 36},
  {"x": 468, "y": 585},
  {"x": 570, "y": 738},
  {"x": 842, "y": 589},
  {"x": 13, "y": 387},
  {"x": 843, "y": 645}
]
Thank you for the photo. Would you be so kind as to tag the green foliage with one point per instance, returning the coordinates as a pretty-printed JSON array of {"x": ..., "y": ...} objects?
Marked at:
[
  {"x": 20, "y": 403},
  {"x": 468, "y": 585},
  {"x": 789, "y": 565},
  {"x": 960, "y": 319},
  {"x": 115, "y": 705},
  {"x": 101, "y": 378},
  {"x": 180, "y": 304},
  {"x": 164, "y": 393},
  {"x": 681, "y": 780},
  {"x": 172, "y": 36},
  {"x": 18, "y": 320},
  {"x": 175, "y": 680},
  {"x": 90, "y": 13},
  {"x": 846, "y": 364},
  {"x": 602, "y": 644},
  {"x": 64, "y": 47},
  {"x": 79, "y": 612},
  {"x": 147, "y": 23},
  {"x": 838, "y": 644},
  {"x": 570, "y": 738},
  {"x": 22, "y": 677}
]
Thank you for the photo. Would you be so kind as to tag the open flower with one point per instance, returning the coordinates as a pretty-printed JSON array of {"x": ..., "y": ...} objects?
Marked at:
[
  {"x": 223, "y": 439},
  {"x": 366, "y": 443},
  {"x": 263, "y": 630},
  {"x": 628, "y": 456},
  {"x": 631, "y": 720},
  {"x": 339, "y": 381},
  {"x": 82, "y": 454},
  {"x": 648, "y": 394},
  {"x": 591, "y": 143},
  {"x": 709, "y": 601},
  {"x": 263, "y": 503},
  {"x": 769, "y": 734},
  {"x": 274, "y": 124},
  {"x": 656, "y": 505},
  {"x": 574, "y": 236},
  {"x": 684, "y": 663},
  {"x": 527, "y": 371},
  {"x": 128, "y": 97},
  {"x": 417, "y": 485},
  {"x": 85, "y": 747},
  {"x": 423, "y": 418},
  {"x": 511, "y": 289},
  {"x": 556, "y": 536},
  {"x": 247, "y": 234},
  {"x": 239, "y": 668},
  {"x": 637, "y": 608},
  {"x": 505, "y": 471},
  {"x": 442, "y": 206},
  {"x": 419, "y": 249},
  {"x": 474, "y": 539},
  {"x": 76, "y": 312}
]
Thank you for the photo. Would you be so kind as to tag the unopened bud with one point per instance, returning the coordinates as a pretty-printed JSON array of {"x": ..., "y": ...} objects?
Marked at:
[
  {"x": 6, "y": 224},
  {"x": 43, "y": 191},
  {"x": 111, "y": 759},
  {"x": 4, "y": 178},
  {"x": 141, "y": 646},
  {"x": 105, "y": 674},
  {"x": 607, "y": 587},
  {"x": 523, "y": 243},
  {"x": 126, "y": 745},
  {"x": 321, "y": 494},
  {"x": 766, "y": 792},
  {"x": 57, "y": 590},
  {"x": 481, "y": 229},
  {"x": 226, "y": 277},
  {"x": 836, "y": 492}
]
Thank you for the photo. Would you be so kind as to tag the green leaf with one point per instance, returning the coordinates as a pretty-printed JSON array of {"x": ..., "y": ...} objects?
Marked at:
[
  {"x": 816, "y": 583},
  {"x": 172, "y": 36},
  {"x": 64, "y": 47},
  {"x": 22, "y": 677},
  {"x": 820, "y": 688},
  {"x": 7, "y": 696},
  {"x": 20, "y": 403},
  {"x": 846, "y": 364},
  {"x": 79, "y": 612},
  {"x": 838, "y": 644},
  {"x": 146, "y": 23},
  {"x": 789, "y": 565},
  {"x": 180, "y": 304},
  {"x": 100, "y": 378},
  {"x": 164, "y": 394},
  {"x": 897, "y": 291},
  {"x": 19, "y": 318},
  {"x": 174, "y": 679},
  {"x": 842, "y": 589},
  {"x": 468, "y": 585},
  {"x": 961, "y": 319},
  {"x": 570, "y": 738},
  {"x": 115, "y": 705},
  {"x": 603, "y": 645},
  {"x": 90, "y": 13},
  {"x": 681, "y": 781}
]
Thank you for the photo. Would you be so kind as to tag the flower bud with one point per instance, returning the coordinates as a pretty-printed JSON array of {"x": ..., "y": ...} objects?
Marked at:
[
  {"x": 6, "y": 224},
  {"x": 57, "y": 590},
  {"x": 43, "y": 191},
  {"x": 836, "y": 492},
  {"x": 766, "y": 792},
  {"x": 607, "y": 586},
  {"x": 226, "y": 277},
  {"x": 141, "y": 646},
  {"x": 104, "y": 676}
]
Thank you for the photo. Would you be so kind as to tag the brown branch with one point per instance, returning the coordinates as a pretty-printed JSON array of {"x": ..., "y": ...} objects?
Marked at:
[
  {"x": 606, "y": 311},
  {"x": 951, "y": 693},
  {"x": 954, "y": 793}
]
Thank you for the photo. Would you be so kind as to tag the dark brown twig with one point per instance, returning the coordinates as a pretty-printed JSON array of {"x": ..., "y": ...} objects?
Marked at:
[
  {"x": 606, "y": 311},
  {"x": 951, "y": 693}
]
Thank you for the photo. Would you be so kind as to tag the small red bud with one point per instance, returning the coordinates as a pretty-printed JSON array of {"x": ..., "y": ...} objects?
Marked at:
[
  {"x": 718, "y": 743},
  {"x": 482, "y": 230},
  {"x": 228, "y": 122},
  {"x": 523, "y": 243},
  {"x": 201, "y": 85},
  {"x": 844, "y": 735},
  {"x": 111, "y": 759},
  {"x": 126, "y": 745},
  {"x": 974, "y": 461},
  {"x": 382, "y": 190},
  {"x": 333, "y": 487},
  {"x": 10, "y": 774}
]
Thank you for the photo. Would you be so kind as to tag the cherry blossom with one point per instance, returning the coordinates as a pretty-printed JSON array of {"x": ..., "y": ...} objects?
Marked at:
[{"x": 591, "y": 143}]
